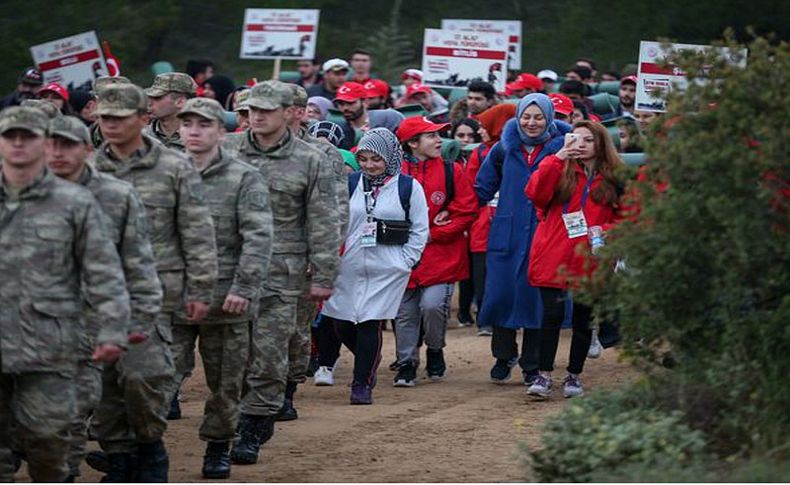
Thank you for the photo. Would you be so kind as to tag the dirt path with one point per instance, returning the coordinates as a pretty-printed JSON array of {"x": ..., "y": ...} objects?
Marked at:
[{"x": 464, "y": 429}]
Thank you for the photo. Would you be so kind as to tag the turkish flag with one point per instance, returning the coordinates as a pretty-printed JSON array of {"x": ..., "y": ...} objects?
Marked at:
[{"x": 113, "y": 64}]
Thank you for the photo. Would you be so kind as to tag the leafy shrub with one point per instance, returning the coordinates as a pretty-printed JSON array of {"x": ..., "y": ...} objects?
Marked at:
[{"x": 609, "y": 431}]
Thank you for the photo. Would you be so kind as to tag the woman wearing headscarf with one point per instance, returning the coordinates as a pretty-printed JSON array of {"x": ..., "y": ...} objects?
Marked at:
[
  {"x": 374, "y": 271},
  {"x": 510, "y": 302},
  {"x": 318, "y": 108},
  {"x": 492, "y": 121},
  {"x": 221, "y": 89}
]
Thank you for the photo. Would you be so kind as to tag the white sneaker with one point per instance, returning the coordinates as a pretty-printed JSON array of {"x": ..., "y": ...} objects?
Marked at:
[
  {"x": 595, "y": 347},
  {"x": 324, "y": 376}
]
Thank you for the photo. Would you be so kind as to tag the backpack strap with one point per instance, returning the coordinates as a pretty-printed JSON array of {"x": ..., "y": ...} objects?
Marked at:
[
  {"x": 353, "y": 181},
  {"x": 405, "y": 185},
  {"x": 449, "y": 183}
]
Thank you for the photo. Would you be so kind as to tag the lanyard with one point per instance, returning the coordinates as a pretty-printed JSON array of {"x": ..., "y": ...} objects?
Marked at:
[
  {"x": 371, "y": 194},
  {"x": 584, "y": 194}
]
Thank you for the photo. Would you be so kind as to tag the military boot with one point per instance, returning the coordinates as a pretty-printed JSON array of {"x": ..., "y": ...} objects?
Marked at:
[
  {"x": 288, "y": 411},
  {"x": 174, "y": 412},
  {"x": 253, "y": 432},
  {"x": 122, "y": 468},
  {"x": 216, "y": 461},
  {"x": 152, "y": 462}
]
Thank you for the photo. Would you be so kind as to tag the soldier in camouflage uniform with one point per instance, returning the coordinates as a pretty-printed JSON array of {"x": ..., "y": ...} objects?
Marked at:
[
  {"x": 48, "y": 108},
  {"x": 98, "y": 84},
  {"x": 181, "y": 233},
  {"x": 299, "y": 355},
  {"x": 168, "y": 94},
  {"x": 241, "y": 109},
  {"x": 55, "y": 257},
  {"x": 239, "y": 201},
  {"x": 306, "y": 235},
  {"x": 130, "y": 385}
]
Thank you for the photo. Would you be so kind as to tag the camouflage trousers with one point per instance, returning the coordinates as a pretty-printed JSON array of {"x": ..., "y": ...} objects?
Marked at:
[
  {"x": 136, "y": 393},
  {"x": 88, "y": 382},
  {"x": 275, "y": 336},
  {"x": 36, "y": 411},
  {"x": 299, "y": 347},
  {"x": 224, "y": 350}
]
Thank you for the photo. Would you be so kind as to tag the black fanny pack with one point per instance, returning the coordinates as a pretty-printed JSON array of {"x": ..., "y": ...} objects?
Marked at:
[{"x": 392, "y": 232}]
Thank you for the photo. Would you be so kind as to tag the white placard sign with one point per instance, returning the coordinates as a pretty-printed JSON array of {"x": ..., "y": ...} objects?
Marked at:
[
  {"x": 454, "y": 59},
  {"x": 285, "y": 33},
  {"x": 511, "y": 28},
  {"x": 73, "y": 62},
  {"x": 654, "y": 81}
]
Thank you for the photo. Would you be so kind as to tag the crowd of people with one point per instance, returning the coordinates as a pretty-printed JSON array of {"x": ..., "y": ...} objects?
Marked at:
[{"x": 271, "y": 224}]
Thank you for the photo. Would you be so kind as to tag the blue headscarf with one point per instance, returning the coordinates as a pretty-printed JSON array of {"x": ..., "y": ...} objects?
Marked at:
[{"x": 547, "y": 107}]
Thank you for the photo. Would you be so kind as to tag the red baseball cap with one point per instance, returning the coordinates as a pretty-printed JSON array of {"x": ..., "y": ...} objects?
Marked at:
[
  {"x": 57, "y": 89},
  {"x": 417, "y": 88},
  {"x": 350, "y": 92},
  {"x": 562, "y": 104},
  {"x": 629, "y": 79},
  {"x": 526, "y": 81},
  {"x": 376, "y": 88},
  {"x": 411, "y": 127}
]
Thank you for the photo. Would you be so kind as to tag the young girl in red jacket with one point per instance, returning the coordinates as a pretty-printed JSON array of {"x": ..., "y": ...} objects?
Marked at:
[{"x": 577, "y": 198}]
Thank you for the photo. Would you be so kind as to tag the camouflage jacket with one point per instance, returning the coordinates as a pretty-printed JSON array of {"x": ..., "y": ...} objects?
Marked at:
[
  {"x": 55, "y": 257},
  {"x": 239, "y": 202},
  {"x": 181, "y": 230},
  {"x": 341, "y": 178},
  {"x": 305, "y": 209},
  {"x": 154, "y": 130},
  {"x": 128, "y": 229}
]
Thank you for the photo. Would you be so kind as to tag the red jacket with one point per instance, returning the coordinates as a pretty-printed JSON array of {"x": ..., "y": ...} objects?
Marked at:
[
  {"x": 478, "y": 233},
  {"x": 555, "y": 260},
  {"x": 445, "y": 257}
]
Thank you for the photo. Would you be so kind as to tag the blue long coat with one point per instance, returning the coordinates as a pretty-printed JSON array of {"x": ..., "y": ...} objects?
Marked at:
[{"x": 509, "y": 300}]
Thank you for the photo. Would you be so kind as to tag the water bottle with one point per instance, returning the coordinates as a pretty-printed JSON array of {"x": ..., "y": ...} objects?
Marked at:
[{"x": 595, "y": 233}]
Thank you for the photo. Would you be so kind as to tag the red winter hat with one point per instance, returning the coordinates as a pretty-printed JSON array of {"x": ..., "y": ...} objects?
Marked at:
[
  {"x": 417, "y": 88},
  {"x": 376, "y": 88},
  {"x": 411, "y": 127},
  {"x": 629, "y": 79},
  {"x": 350, "y": 92},
  {"x": 57, "y": 89},
  {"x": 562, "y": 103},
  {"x": 526, "y": 81}
]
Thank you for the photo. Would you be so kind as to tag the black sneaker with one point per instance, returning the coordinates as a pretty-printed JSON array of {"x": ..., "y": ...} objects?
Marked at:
[
  {"x": 395, "y": 366},
  {"x": 529, "y": 377},
  {"x": 435, "y": 367},
  {"x": 407, "y": 376},
  {"x": 501, "y": 371}
]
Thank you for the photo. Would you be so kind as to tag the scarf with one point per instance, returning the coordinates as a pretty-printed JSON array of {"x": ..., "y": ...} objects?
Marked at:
[
  {"x": 547, "y": 108},
  {"x": 385, "y": 144}
]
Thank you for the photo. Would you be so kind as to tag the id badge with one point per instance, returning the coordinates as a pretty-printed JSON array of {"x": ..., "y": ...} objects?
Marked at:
[
  {"x": 368, "y": 239},
  {"x": 575, "y": 224}
]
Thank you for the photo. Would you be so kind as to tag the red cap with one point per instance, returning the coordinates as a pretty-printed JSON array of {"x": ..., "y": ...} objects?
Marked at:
[
  {"x": 350, "y": 92},
  {"x": 57, "y": 89},
  {"x": 526, "y": 81},
  {"x": 376, "y": 88},
  {"x": 417, "y": 88},
  {"x": 411, "y": 127},
  {"x": 562, "y": 104},
  {"x": 629, "y": 79},
  {"x": 415, "y": 74}
]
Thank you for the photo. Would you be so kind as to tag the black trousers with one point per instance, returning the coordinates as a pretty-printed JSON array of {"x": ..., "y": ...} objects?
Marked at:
[
  {"x": 327, "y": 342},
  {"x": 504, "y": 346},
  {"x": 471, "y": 290},
  {"x": 553, "y": 315},
  {"x": 364, "y": 340}
]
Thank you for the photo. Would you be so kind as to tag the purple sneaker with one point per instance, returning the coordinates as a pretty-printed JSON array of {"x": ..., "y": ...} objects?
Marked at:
[
  {"x": 361, "y": 394},
  {"x": 572, "y": 386},
  {"x": 541, "y": 387}
]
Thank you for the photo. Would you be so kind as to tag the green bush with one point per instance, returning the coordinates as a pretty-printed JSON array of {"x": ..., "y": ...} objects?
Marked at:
[{"x": 608, "y": 431}]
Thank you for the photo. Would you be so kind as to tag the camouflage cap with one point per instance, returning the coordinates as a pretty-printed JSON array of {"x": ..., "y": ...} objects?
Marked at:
[
  {"x": 121, "y": 100},
  {"x": 69, "y": 127},
  {"x": 300, "y": 95},
  {"x": 23, "y": 118},
  {"x": 48, "y": 108},
  {"x": 241, "y": 100},
  {"x": 205, "y": 107},
  {"x": 270, "y": 95},
  {"x": 172, "y": 82},
  {"x": 102, "y": 82}
]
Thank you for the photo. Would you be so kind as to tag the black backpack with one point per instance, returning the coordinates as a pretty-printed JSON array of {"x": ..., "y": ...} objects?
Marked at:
[{"x": 404, "y": 190}]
